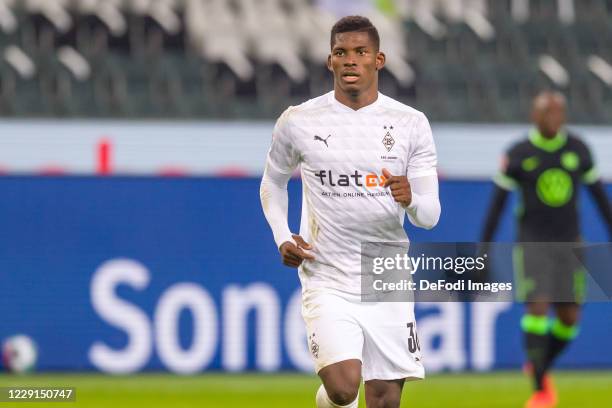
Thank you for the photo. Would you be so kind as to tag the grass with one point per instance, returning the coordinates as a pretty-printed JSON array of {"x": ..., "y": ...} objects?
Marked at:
[{"x": 499, "y": 389}]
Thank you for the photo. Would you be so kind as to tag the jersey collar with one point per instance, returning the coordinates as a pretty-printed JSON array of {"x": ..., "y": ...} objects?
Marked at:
[
  {"x": 549, "y": 145},
  {"x": 342, "y": 107}
]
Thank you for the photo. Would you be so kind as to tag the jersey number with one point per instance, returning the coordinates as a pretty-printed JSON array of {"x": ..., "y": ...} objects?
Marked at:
[{"x": 413, "y": 339}]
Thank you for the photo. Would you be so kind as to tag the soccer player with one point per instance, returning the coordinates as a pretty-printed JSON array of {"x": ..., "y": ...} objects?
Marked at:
[
  {"x": 366, "y": 161},
  {"x": 547, "y": 169}
]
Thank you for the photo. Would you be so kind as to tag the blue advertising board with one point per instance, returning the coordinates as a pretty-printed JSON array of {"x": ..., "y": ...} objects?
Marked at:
[{"x": 128, "y": 274}]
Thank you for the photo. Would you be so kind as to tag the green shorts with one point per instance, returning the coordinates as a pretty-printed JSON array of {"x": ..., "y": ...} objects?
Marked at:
[{"x": 549, "y": 272}]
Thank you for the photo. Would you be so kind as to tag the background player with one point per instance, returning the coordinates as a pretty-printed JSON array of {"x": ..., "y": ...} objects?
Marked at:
[
  {"x": 547, "y": 170},
  {"x": 349, "y": 143}
]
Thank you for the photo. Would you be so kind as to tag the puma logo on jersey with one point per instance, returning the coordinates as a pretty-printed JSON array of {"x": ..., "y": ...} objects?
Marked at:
[{"x": 319, "y": 138}]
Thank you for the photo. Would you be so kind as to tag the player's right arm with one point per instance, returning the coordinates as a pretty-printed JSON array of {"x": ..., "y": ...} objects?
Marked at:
[
  {"x": 496, "y": 208},
  {"x": 282, "y": 160},
  {"x": 505, "y": 182}
]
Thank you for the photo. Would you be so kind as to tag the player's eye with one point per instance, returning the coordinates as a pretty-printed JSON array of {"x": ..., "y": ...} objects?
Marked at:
[
  {"x": 361, "y": 52},
  {"x": 339, "y": 53}
]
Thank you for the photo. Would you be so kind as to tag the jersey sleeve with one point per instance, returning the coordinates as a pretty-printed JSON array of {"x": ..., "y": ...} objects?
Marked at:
[
  {"x": 587, "y": 166},
  {"x": 509, "y": 170},
  {"x": 283, "y": 155},
  {"x": 423, "y": 158}
]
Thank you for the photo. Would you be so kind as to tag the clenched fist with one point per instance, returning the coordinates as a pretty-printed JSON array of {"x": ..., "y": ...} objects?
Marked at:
[
  {"x": 293, "y": 255},
  {"x": 400, "y": 188}
]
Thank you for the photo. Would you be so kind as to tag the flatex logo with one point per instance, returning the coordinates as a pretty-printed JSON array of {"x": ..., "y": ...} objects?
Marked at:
[{"x": 356, "y": 178}]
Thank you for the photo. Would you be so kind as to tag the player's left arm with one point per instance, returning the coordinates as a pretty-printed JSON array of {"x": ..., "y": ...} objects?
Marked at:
[
  {"x": 417, "y": 191},
  {"x": 418, "y": 196},
  {"x": 596, "y": 188},
  {"x": 601, "y": 199}
]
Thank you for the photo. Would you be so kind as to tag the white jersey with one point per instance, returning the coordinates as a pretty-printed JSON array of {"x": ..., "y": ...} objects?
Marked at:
[{"x": 342, "y": 153}]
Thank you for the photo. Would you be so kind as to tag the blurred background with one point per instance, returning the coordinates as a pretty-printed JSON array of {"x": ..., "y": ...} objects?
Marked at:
[
  {"x": 459, "y": 60},
  {"x": 133, "y": 135}
]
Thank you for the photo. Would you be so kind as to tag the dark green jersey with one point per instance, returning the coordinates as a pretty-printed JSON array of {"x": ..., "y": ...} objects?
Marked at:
[{"x": 547, "y": 174}]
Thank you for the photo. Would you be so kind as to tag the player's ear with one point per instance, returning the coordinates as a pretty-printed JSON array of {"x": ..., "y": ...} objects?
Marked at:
[
  {"x": 329, "y": 64},
  {"x": 380, "y": 60}
]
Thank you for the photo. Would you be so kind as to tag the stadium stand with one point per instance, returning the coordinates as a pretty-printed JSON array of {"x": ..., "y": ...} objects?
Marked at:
[{"x": 459, "y": 60}]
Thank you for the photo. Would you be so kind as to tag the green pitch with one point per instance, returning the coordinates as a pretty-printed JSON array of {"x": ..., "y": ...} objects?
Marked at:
[{"x": 501, "y": 389}]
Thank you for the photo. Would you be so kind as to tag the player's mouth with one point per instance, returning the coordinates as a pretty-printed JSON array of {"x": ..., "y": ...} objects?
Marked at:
[{"x": 350, "y": 77}]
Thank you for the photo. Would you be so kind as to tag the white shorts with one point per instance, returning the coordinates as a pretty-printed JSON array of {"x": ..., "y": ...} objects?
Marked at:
[{"x": 381, "y": 335}]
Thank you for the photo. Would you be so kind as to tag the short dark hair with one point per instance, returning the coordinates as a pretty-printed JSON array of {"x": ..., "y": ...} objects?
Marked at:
[{"x": 355, "y": 23}]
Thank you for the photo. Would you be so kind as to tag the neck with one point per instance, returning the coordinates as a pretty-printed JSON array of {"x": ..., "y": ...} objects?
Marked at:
[
  {"x": 356, "y": 100},
  {"x": 548, "y": 135}
]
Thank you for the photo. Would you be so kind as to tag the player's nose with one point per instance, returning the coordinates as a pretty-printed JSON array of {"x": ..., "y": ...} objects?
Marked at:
[{"x": 350, "y": 60}]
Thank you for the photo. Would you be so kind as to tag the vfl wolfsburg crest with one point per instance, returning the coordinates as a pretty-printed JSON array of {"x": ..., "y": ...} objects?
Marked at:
[
  {"x": 554, "y": 187},
  {"x": 570, "y": 161}
]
